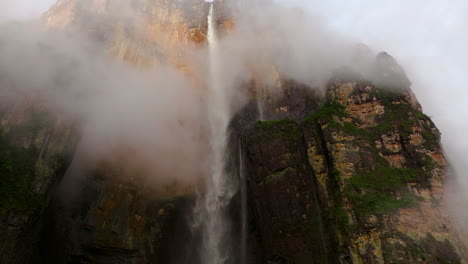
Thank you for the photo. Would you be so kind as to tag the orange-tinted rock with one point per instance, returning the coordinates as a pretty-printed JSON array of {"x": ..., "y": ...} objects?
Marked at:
[
  {"x": 358, "y": 147},
  {"x": 143, "y": 32}
]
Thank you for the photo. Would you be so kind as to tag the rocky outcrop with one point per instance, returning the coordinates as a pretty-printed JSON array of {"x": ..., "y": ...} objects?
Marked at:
[
  {"x": 287, "y": 212},
  {"x": 389, "y": 171},
  {"x": 116, "y": 219},
  {"x": 374, "y": 162},
  {"x": 289, "y": 99}
]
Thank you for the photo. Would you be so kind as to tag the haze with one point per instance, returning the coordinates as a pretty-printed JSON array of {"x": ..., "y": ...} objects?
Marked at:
[{"x": 428, "y": 37}]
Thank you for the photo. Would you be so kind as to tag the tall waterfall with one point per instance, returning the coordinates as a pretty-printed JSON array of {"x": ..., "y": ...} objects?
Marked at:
[{"x": 211, "y": 218}]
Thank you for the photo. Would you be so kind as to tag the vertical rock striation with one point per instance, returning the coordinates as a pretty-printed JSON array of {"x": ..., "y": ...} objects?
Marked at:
[
  {"x": 287, "y": 212},
  {"x": 377, "y": 172},
  {"x": 146, "y": 33}
]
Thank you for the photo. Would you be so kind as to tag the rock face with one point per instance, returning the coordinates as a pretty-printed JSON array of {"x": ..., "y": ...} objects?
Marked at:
[
  {"x": 367, "y": 169},
  {"x": 349, "y": 173},
  {"x": 116, "y": 220},
  {"x": 144, "y": 32},
  {"x": 287, "y": 211},
  {"x": 35, "y": 150}
]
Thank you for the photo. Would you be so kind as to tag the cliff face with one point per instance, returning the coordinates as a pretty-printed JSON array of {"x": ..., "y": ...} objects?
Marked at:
[
  {"x": 287, "y": 211},
  {"x": 116, "y": 220},
  {"x": 115, "y": 216},
  {"x": 144, "y": 32},
  {"x": 372, "y": 162},
  {"x": 35, "y": 148},
  {"x": 348, "y": 173}
]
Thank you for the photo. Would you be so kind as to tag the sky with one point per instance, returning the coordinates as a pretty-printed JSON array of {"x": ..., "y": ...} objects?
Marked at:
[
  {"x": 428, "y": 37},
  {"x": 23, "y": 9}
]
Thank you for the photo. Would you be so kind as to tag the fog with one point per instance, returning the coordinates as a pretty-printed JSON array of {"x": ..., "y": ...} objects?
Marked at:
[
  {"x": 151, "y": 116},
  {"x": 117, "y": 103},
  {"x": 429, "y": 39},
  {"x": 23, "y": 9}
]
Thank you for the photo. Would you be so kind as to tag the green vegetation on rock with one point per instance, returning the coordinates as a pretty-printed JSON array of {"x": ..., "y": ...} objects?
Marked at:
[
  {"x": 381, "y": 191},
  {"x": 285, "y": 127},
  {"x": 19, "y": 163},
  {"x": 17, "y": 166},
  {"x": 399, "y": 113},
  {"x": 327, "y": 112},
  {"x": 339, "y": 216},
  {"x": 379, "y": 188},
  {"x": 399, "y": 248}
]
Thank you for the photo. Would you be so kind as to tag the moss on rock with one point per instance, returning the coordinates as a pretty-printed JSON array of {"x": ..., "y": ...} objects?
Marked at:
[
  {"x": 381, "y": 191},
  {"x": 17, "y": 168}
]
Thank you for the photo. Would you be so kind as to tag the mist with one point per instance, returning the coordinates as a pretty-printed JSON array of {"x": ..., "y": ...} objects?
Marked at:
[
  {"x": 152, "y": 117},
  {"x": 23, "y": 9},
  {"x": 429, "y": 39},
  {"x": 158, "y": 113}
]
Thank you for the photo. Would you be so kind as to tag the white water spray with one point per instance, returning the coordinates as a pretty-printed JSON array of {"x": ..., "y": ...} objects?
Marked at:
[
  {"x": 260, "y": 104},
  {"x": 210, "y": 212}
]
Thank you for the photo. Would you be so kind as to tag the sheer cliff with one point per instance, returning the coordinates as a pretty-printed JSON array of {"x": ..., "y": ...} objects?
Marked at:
[
  {"x": 146, "y": 32},
  {"x": 36, "y": 149},
  {"x": 359, "y": 181},
  {"x": 347, "y": 171}
]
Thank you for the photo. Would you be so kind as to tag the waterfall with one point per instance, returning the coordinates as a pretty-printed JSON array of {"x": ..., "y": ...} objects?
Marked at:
[
  {"x": 210, "y": 215},
  {"x": 260, "y": 104}
]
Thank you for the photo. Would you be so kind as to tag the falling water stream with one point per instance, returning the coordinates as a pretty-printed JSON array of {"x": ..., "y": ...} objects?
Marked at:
[
  {"x": 260, "y": 104},
  {"x": 211, "y": 210}
]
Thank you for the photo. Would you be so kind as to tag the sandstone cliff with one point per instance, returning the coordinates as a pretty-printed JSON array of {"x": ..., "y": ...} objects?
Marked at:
[
  {"x": 145, "y": 32},
  {"x": 363, "y": 176},
  {"x": 352, "y": 172}
]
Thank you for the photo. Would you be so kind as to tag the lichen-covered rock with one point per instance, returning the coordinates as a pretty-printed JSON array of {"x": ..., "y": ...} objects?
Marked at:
[
  {"x": 388, "y": 157},
  {"x": 378, "y": 171}
]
